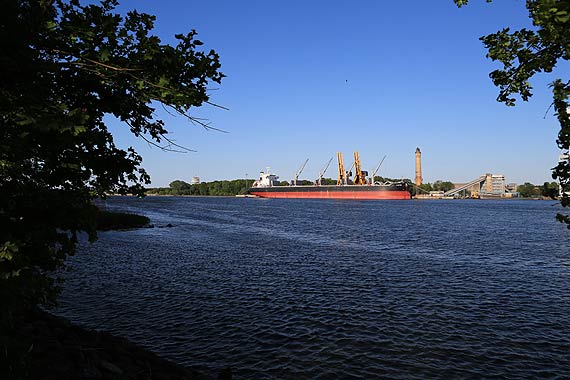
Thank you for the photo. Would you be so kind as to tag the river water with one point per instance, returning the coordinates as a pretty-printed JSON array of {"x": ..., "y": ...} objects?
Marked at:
[{"x": 324, "y": 289}]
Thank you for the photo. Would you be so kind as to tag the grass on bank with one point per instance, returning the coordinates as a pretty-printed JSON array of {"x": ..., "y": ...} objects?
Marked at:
[{"x": 110, "y": 220}]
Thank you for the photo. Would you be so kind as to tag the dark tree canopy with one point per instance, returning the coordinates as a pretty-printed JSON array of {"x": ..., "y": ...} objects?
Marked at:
[
  {"x": 215, "y": 188},
  {"x": 64, "y": 66},
  {"x": 524, "y": 53},
  {"x": 528, "y": 190}
]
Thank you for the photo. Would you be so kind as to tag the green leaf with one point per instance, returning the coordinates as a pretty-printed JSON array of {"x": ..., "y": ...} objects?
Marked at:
[
  {"x": 8, "y": 250},
  {"x": 104, "y": 55}
]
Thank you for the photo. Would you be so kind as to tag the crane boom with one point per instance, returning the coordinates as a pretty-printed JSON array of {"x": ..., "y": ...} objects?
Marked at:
[
  {"x": 299, "y": 172},
  {"x": 378, "y": 168},
  {"x": 322, "y": 173}
]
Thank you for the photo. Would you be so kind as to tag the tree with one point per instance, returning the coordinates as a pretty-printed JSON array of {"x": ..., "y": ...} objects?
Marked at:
[
  {"x": 550, "y": 190},
  {"x": 442, "y": 186},
  {"x": 328, "y": 181},
  {"x": 64, "y": 66},
  {"x": 179, "y": 187},
  {"x": 528, "y": 190},
  {"x": 525, "y": 53},
  {"x": 447, "y": 185}
]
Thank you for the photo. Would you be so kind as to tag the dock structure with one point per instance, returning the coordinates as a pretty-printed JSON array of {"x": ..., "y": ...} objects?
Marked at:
[
  {"x": 472, "y": 186},
  {"x": 486, "y": 186}
]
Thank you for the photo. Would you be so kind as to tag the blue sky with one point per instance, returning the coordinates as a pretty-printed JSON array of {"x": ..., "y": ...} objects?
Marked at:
[{"x": 306, "y": 79}]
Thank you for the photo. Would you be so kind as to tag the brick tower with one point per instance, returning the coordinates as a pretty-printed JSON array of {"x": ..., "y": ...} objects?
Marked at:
[{"x": 419, "y": 178}]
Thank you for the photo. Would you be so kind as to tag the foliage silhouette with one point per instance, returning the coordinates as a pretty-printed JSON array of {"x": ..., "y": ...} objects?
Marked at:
[
  {"x": 525, "y": 53},
  {"x": 64, "y": 67}
]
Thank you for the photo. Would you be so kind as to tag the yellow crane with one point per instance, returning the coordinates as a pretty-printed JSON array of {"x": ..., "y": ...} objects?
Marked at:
[
  {"x": 360, "y": 176},
  {"x": 341, "y": 173}
]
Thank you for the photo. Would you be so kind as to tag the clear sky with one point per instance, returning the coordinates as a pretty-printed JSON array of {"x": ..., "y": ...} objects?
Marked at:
[{"x": 306, "y": 79}]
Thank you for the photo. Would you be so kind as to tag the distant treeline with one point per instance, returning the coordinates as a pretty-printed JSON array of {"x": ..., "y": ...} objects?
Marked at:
[
  {"x": 229, "y": 188},
  {"x": 526, "y": 190},
  {"x": 548, "y": 190},
  {"x": 437, "y": 186},
  {"x": 219, "y": 188}
]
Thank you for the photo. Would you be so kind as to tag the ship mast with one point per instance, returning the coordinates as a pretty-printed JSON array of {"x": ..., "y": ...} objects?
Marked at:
[{"x": 348, "y": 175}]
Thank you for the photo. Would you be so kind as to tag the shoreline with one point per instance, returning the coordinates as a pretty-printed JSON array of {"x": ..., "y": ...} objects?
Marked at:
[
  {"x": 36, "y": 344},
  {"x": 40, "y": 345}
]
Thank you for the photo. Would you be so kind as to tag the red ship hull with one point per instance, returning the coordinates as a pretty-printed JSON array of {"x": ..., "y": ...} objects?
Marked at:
[{"x": 391, "y": 192}]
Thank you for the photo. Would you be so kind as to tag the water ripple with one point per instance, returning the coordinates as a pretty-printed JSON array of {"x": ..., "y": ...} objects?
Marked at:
[{"x": 288, "y": 289}]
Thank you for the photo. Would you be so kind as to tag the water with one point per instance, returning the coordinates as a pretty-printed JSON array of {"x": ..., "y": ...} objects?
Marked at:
[{"x": 309, "y": 289}]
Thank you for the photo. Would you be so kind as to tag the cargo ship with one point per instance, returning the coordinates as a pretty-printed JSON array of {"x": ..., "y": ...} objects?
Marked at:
[{"x": 359, "y": 187}]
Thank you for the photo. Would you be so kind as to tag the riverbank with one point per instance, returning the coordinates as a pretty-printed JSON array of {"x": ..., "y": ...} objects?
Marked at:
[
  {"x": 38, "y": 345},
  {"x": 112, "y": 220}
]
